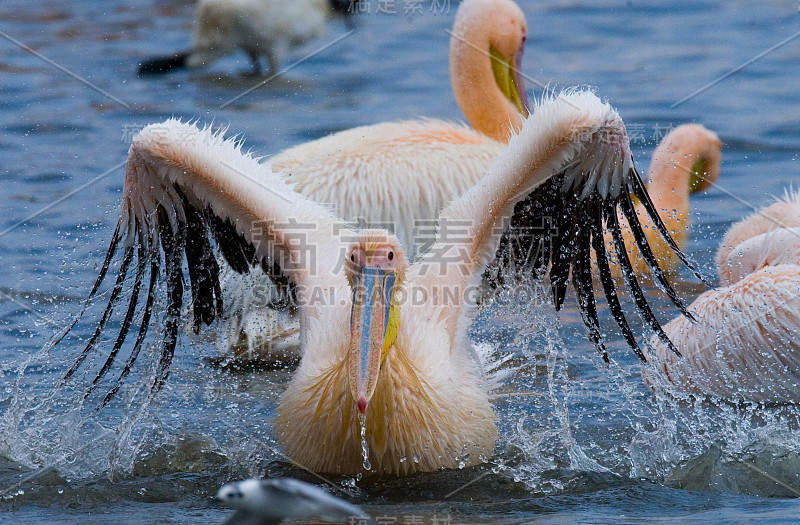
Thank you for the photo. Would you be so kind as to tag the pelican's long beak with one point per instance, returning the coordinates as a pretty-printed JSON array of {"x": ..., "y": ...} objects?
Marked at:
[
  {"x": 372, "y": 301},
  {"x": 508, "y": 75}
]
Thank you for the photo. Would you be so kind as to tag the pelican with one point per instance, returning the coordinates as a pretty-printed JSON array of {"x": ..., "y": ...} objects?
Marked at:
[
  {"x": 745, "y": 345},
  {"x": 398, "y": 174},
  {"x": 259, "y": 27},
  {"x": 387, "y": 382},
  {"x": 686, "y": 161}
]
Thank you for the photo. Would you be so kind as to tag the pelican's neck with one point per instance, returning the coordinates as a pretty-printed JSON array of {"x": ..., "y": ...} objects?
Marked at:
[
  {"x": 686, "y": 161},
  {"x": 773, "y": 248},
  {"x": 418, "y": 419},
  {"x": 670, "y": 172},
  {"x": 318, "y": 419},
  {"x": 475, "y": 89}
]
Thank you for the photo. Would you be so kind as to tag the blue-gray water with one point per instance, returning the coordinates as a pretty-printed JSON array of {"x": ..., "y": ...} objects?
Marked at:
[{"x": 599, "y": 448}]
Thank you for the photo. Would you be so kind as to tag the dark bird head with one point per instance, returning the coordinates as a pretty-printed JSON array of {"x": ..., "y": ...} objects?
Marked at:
[
  {"x": 231, "y": 495},
  {"x": 164, "y": 64},
  {"x": 344, "y": 7}
]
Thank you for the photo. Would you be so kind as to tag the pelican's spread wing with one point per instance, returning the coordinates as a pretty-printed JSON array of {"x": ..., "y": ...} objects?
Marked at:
[
  {"x": 545, "y": 202},
  {"x": 185, "y": 186}
]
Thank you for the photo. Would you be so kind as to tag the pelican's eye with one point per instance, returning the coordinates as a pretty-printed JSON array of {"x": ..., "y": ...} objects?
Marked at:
[
  {"x": 352, "y": 258},
  {"x": 391, "y": 256}
]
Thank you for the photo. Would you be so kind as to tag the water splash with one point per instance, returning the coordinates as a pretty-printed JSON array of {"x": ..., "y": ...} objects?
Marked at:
[
  {"x": 462, "y": 458},
  {"x": 362, "y": 421},
  {"x": 47, "y": 425},
  {"x": 585, "y": 417},
  {"x": 568, "y": 413}
]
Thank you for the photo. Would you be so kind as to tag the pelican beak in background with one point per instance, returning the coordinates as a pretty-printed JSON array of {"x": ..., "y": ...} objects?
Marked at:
[
  {"x": 697, "y": 176},
  {"x": 372, "y": 308},
  {"x": 508, "y": 75}
]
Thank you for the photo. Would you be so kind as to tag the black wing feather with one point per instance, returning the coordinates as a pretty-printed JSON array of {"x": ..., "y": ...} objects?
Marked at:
[
  {"x": 155, "y": 270},
  {"x": 112, "y": 302},
  {"x": 629, "y": 276},
  {"x": 112, "y": 249},
  {"x": 172, "y": 244},
  {"x": 126, "y": 322},
  {"x": 644, "y": 249},
  {"x": 203, "y": 269},
  {"x": 575, "y": 223},
  {"x": 181, "y": 234},
  {"x": 563, "y": 252},
  {"x": 607, "y": 280},
  {"x": 582, "y": 282},
  {"x": 640, "y": 191},
  {"x": 234, "y": 247},
  {"x": 530, "y": 231}
]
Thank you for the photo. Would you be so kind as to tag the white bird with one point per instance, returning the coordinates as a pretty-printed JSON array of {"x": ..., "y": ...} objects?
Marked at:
[
  {"x": 268, "y": 28},
  {"x": 745, "y": 344},
  {"x": 387, "y": 366},
  {"x": 270, "y": 501}
]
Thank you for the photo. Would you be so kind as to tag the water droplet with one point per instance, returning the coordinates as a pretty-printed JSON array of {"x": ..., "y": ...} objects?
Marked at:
[
  {"x": 349, "y": 482},
  {"x": 483, "y": 458},
  {"x": 60, "y": 490},
  {"x": 362, "y": 419},
  {"x": 415, "y": 458},
  {"x": 403, "y": 459}
]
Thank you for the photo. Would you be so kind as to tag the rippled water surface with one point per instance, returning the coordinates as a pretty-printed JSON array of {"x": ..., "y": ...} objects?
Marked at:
[{"x": 580, "y": 441}]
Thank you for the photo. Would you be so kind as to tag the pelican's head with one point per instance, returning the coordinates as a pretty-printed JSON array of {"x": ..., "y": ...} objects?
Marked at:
[
  {"x": 375, "y": 269},
  {"x": 506, "y": 45},
  {"x": 488, "y": 41},
  {"x": 696, "y": 150}
]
